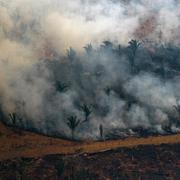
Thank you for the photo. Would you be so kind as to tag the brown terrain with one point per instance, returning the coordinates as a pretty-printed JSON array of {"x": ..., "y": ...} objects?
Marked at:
[{"x": 26, "y": 155}]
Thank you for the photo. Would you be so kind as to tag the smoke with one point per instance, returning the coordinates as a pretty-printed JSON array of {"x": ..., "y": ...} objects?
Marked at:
[{"x": 35, "y": 37}]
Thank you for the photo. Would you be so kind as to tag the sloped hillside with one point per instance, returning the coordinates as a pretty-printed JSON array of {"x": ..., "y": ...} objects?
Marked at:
[{"x": 15, "y": 143}]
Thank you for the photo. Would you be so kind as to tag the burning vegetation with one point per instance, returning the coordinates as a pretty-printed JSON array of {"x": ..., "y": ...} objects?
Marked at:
[{"x": 124, "y": 82}]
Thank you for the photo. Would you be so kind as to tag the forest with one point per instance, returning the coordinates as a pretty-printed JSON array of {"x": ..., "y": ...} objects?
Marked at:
[
  {"x": 111, "y": 91},
  {"x": 90, "y": 70}
]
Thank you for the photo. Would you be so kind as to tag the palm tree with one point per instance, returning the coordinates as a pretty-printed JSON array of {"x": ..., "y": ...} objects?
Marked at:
[
  {"x": 107, "y": 90},
  {"x": 163, "y": 58},
  {"x": 87, "y": 111},
  {"x": 174, "y": 119},
  {"x": 13, "y": 118},
  {"x": 16, "y": 119},
  {"x": 107, "y": 46},
  {"x": 61, "y": 87},
  {"x": 177, "y": 109},
  {"x": 71, "y": 54},
  {"x": 72, "y": 123},
  {"x": 88, "y": 48},
  {"x": 133, "y": 47}
]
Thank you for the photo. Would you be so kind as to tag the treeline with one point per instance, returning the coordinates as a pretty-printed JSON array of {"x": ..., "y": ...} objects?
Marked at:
[{"x": 102, "y": 71}]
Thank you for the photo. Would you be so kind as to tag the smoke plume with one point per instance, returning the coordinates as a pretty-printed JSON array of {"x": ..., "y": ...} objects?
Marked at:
[{"x": 56, "y": 56}]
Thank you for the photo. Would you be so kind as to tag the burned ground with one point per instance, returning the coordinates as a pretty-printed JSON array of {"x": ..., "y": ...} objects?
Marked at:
[{"x": 142, "y": 162}]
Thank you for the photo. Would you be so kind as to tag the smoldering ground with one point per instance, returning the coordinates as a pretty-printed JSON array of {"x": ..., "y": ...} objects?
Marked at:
[{"x": 49, "y": 69}]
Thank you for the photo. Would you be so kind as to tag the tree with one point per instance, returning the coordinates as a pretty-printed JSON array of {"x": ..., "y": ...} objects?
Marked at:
[
  {"x": 174, "y": 119},
  {"x": 119, "y": 50},
  {"x": 13, "y": 118},
  {"x": 101, "y": 131},
  {"x": 72, "y": 123},
  {"x": 61, "y": 87},
  {"x": 177, "y": 109},
  {"x": 107, "y": 90},
  {"x": 133, "y": 47},
  {"x": 163, "y": 58},
  {"x": 88, "y": 48},
  {"x": 71, "y": 54},
  {"x": 107, "y": 47},
  {"x": 87, "y": 111},
  {"x": 16, "y": 120}
]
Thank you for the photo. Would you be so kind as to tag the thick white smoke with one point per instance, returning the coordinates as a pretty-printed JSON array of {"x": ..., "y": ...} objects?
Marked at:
[{"x": 32, "y": 31}]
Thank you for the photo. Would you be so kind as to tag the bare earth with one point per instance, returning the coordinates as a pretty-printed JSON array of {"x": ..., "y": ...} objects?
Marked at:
[{"x": 26, "y": 144}]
